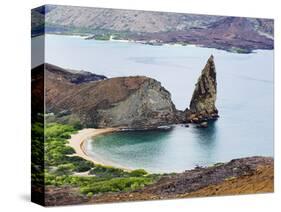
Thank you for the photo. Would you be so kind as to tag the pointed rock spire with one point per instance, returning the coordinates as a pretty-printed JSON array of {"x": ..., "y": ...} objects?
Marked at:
[{"x": 202, "y": 105}]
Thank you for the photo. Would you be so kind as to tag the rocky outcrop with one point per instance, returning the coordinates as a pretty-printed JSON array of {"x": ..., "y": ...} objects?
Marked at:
[
  {"x": 148, "y": 105},
  {"x": 73, "y": 76},
  {"x": 202, "y": 105},
  {"x": 129, "y": 102},
  {"x": 138, "y": 102}
]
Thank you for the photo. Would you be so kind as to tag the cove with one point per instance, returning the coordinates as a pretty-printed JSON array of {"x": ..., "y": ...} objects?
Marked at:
[{"x": 244, "y": 100}]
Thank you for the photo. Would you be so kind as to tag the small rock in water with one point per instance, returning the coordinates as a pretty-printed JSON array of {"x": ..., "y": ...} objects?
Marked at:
[
  {"x": 186, "y": 125},
  {"x": 194, "y": 120},
  {"x": 203, "y": 125}
]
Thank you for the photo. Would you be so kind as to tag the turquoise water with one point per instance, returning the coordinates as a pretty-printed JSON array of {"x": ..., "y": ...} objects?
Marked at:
[
  {"x": 178, "y": 149},
  {"x": 245, "y": 101}
]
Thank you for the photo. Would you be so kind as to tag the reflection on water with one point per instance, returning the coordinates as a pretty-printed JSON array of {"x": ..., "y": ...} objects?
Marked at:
[
  {"x": 176, "y": 149},
  {"x": 207, "y": 135},
  {"x": 140, "y": 136},
  {"x": 206, "y": 138}
]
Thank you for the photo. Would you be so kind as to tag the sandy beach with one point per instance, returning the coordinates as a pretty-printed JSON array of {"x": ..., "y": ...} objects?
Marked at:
[{"x": 77, "y": 141}]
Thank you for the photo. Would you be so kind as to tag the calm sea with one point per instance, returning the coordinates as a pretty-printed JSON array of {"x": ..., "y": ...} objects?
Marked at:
[{"x": 245, "y": 101}]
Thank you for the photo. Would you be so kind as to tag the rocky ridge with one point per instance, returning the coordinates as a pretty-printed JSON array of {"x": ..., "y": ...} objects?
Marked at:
[
  {"x": 134, "y": 102},
  {"x": 72, "y": 76},
  {"x": 129, "y": 102},
  {"x": 235, "y": 34}
]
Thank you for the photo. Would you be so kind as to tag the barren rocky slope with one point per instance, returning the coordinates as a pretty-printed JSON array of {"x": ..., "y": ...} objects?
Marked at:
[
  {"x": 236, "y": 34},
  {"x": 134, "y": 102},
  {"x": 125, "y": 20},
  {"x": 243, "y": 176},
  {"x": 239, "y": 176}
]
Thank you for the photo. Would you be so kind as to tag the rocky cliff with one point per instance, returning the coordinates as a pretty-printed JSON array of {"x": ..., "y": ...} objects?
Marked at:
[
  {"x": 91, "y": 100},
  {"x": 131, "y": 102},
  {"x": 202, "y": 105}
]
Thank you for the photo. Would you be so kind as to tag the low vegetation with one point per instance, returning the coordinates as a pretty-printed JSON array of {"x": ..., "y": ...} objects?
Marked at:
[
  {"x": 102, "y": 37},
  {"x": 61, "y": 167},
  {"x": 239, "y": 50}
]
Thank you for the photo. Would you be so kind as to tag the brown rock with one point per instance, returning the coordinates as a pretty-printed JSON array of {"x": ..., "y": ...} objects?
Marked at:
[
  {"x": 133, "y": 102},
  {"x": 202, "y": 105},
  {"x": 203, "y": 125}
]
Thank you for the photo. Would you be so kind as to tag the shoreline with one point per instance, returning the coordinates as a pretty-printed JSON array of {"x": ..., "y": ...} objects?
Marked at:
[
  {"x": 179, "y": 44},
  {"x": 78, "y": 140},
  {"x": 129, "y": 41}
]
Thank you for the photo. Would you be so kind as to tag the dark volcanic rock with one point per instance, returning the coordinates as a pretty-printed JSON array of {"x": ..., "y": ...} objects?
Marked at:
[{"x": 202, "y": 105}]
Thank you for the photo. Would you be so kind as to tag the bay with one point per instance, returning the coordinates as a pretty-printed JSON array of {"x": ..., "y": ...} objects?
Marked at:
[{"x": 244, "y": 100}]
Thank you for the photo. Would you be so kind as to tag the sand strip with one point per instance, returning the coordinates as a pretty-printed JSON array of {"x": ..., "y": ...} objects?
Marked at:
[{"x": 77, "y": 142}]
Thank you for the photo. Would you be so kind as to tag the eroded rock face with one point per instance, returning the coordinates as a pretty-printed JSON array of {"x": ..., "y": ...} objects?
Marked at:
[
  {"x": 149, "y": 106},
  {"x": 202, "y": 105},
  {"x": 130, "y": 102},
  {"x": 140, "y": 102}
]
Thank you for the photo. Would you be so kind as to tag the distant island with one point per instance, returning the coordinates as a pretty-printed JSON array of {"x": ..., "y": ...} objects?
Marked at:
[{"x": 234, "y": 34}]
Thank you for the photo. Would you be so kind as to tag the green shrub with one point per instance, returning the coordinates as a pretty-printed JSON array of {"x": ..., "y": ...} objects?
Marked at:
[
  {"x": 116, "y": 184},
  {"x": 58, "y": 131},
  {"x": 60, "y": 165},
  {"x": 102, "y": 37},
  {"x": 138, "y": 173},
  {"x": 64, "y": 169},
  {"x": 83, "y": 167},
  {"x": 67, "y": 150},
  {"x": 107, "y": 171},
  {"x": 90, "y": 194}
]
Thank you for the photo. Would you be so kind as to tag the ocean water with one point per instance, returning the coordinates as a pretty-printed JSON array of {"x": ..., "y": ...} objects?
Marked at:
[{"x": 244, "y": 100}]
